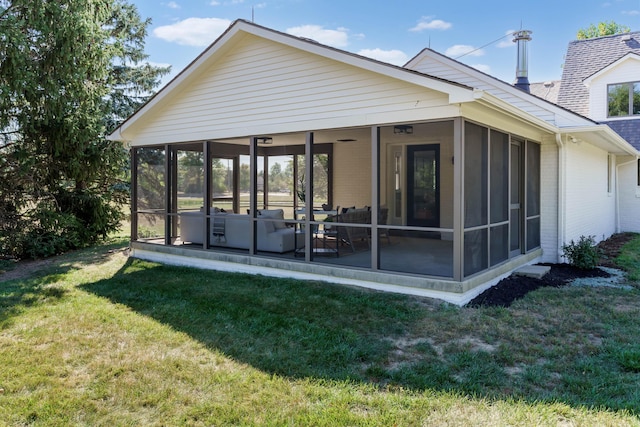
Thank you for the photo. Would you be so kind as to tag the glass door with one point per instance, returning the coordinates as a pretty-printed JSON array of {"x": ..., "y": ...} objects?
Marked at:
[{"x": 423, "y": 185}]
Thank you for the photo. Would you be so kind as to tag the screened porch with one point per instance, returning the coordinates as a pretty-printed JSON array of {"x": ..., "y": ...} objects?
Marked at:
[{"x": 447, "y": 199}]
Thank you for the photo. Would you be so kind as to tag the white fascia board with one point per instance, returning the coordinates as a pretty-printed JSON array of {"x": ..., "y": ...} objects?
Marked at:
[
  {"x": 628, "y": 57},
  {"x": 116, "y": 135}
]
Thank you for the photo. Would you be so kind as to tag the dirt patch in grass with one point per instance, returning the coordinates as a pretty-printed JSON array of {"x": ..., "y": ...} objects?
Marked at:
[
  {"x": 611, "y": 248},
  {"x": 24, "y": 269},
  {"x": 515, "y": 287},
  {"x": 27, "y": 268}
]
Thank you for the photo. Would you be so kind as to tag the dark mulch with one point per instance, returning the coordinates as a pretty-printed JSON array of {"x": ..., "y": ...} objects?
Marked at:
[{"x": 513, "y": 287}]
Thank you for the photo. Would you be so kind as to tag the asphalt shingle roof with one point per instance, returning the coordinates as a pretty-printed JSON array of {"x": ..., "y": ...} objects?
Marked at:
[
  {"x": 547, "y": 90},
  {"x": 585, "y": 58},
  {"x": 628, "y": 129}
]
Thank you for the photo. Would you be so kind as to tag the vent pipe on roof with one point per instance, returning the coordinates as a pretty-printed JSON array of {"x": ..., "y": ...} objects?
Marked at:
[{"x": 522, "y": 37}]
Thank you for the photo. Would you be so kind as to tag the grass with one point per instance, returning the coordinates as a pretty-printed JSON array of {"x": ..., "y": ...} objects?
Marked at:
[
  {"x": 96, "y": 338},
  {"x": 629, "y": 260}
]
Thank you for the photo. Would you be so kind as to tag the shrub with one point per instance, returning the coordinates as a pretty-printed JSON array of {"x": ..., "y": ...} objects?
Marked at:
[{"x": 583, "y": 254}]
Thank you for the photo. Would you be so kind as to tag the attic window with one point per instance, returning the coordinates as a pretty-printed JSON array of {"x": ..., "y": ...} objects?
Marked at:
[{"x": 623, "y": 99}]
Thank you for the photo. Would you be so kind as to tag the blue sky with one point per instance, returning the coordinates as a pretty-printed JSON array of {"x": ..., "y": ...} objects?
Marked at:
[{"x": 474, "y": 32}]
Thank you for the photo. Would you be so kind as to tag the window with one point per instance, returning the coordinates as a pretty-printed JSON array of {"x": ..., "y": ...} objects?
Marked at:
[{"x": 623, "y": 99}]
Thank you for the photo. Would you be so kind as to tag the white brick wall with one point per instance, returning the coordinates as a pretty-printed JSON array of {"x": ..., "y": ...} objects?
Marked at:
[
  {"x": 589, "y": 207},
  {"x": 629, "y": 194},
  {"x": 549, "y": 202}
]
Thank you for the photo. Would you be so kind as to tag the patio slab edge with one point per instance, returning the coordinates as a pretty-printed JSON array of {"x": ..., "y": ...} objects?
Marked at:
[{"x": 458, "y": 293}]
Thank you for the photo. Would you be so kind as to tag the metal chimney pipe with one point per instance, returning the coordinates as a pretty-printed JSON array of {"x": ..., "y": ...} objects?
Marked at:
[{"x": 522, "y": 37}]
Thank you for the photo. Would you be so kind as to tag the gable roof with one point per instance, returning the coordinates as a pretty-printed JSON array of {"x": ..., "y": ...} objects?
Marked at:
[
  {"x": 434, "y": 63},
  {"x": 586, "y": 58},
  {"x": 631, "y": 56},
  {"x": 457, "y": 83},
  {"x": 237, "y": 31}
]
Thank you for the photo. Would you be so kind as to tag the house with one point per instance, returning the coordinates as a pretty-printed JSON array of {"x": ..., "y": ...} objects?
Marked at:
[
  {"x": 601, "y": 80},
  {"x": 433, "y": 178}
]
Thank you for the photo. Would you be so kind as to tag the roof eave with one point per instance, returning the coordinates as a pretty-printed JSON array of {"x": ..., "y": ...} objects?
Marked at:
[{"x": 607, "y": 139}]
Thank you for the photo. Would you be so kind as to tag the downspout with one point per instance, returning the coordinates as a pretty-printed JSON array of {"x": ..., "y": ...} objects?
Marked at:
[
  {"x": 561, "y": 192},
  {"x": 618, "y": 230}
]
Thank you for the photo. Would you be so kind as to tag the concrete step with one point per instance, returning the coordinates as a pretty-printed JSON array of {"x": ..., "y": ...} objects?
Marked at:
[{"x": 535, "y": 271}]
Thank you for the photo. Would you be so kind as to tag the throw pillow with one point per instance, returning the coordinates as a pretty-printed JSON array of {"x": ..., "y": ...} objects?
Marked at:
[{"x": 275, "y": 214}]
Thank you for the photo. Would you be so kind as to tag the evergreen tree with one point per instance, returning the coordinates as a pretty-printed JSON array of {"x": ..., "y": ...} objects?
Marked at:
[{"x": 70, "y": 72}]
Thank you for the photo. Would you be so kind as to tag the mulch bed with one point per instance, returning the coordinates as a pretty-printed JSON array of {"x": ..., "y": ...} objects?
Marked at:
[{"x": 514, "y": 287}]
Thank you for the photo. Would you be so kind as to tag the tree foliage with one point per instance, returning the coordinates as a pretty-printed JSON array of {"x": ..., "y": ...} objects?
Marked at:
[
  {"x": 69, "y": 73},
  {"x": 602, "y": 29}
]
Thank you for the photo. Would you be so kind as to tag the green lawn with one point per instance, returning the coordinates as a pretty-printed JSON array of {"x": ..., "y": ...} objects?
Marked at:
[{"x": 95, "y": 338}]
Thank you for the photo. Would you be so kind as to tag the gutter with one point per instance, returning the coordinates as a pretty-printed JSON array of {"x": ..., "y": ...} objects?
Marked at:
[
  {"x": 562, "y": 159},
  {"x": 618, "y": 230}
]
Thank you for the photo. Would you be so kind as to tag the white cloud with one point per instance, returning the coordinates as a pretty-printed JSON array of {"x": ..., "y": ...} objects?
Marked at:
[
  {"x": 458, "y": 50},
  {"x": 193, "y": 31},
  {"x": 428, "y": 23},
  {"x": 173, "y": 5},
  {"x": 335, "y": 38},
  {"x": 631, "y": 12},
  {"x": 507, "y": 41},
  {"x": 396, "y": 57},
  {"x": 482, "y": 67},
  {"x": 214, "y": 3}
]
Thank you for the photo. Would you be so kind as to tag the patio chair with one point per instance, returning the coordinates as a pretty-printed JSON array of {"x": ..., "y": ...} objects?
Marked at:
[
  {"x": 355, "y": 234},
  {"x": 383, "y": 215},
  {"x": 332, "y": 234}
]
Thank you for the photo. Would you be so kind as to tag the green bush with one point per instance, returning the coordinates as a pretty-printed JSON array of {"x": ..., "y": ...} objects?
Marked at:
[{"x": 583, "y": 254}]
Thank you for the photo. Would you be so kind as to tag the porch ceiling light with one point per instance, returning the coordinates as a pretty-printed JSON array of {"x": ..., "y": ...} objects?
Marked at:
[
  {"x": 403, "y": 129},
  {"x": 264, "y": 140}
]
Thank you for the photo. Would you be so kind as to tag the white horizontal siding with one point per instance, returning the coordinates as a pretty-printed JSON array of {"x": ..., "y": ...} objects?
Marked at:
[
  {"x": 433, "y": 67},
  {"x": 628, "y": 71},
  {"x": 261, "y": 84}
]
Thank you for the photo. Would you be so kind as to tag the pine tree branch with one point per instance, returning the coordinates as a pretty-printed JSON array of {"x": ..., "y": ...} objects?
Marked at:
[{"x": 6, "y": 12}]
